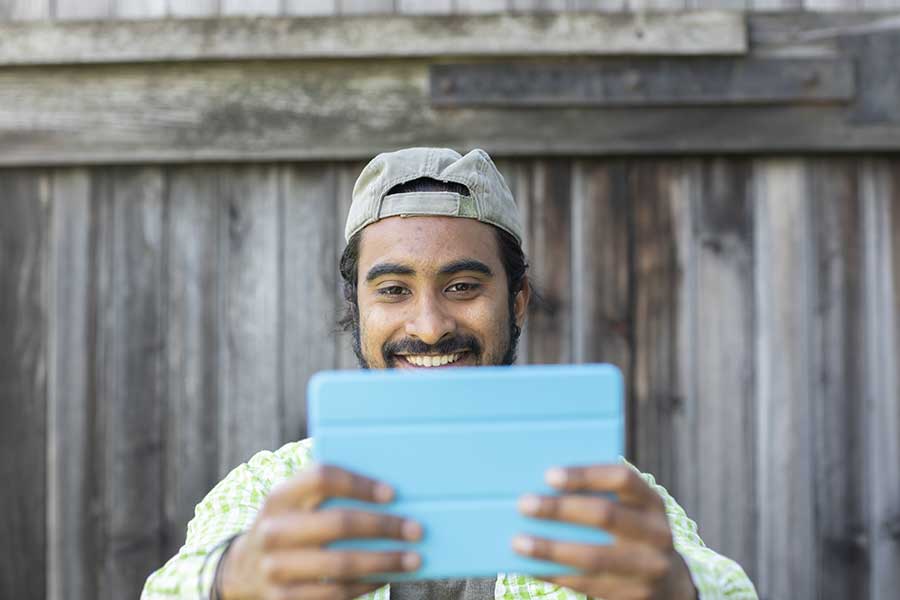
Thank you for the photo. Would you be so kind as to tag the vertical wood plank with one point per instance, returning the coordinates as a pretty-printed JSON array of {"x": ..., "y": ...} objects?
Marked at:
[
  {"x": 721, "y": 410},
  {"x": 421, "y": 7},
  {"x": 517, "y": 174},
  {"x": 538, "y": 5},
  {"x": 365, "y": 7},
  {"x": 549, "y": 227},
  {"x": 309, "y": 279},
  {"x": 310, "y": 7},
  {"x": 82, "y": 9},
  {"x": 70, "y": 513},
  {"x": 783, "y": 264},
  {"x": 838, "y": 417},
  {"x": 129, "y": 339},
  {"x": 23, "y": 384},
  {"x": 480, "y": 6},
  {"x": 250, "y": 7},
  {"x": 655, "y": 377},
  {"x": 249, "y": 341},
  {"x": 775, "y": 5},
  {"x": 24, "y": 10},
  {"x": 881, "y": 196},
  {"x": 139, "y": 9},
  {"x": 346, "y": 174},
  {"x": 601, "y": 261},
  {"x": 831, "y": 5},
  {"x": 192, "y": 303},
  {"x": 193, "y": 8},
  {"x": 599, "y": 5}
]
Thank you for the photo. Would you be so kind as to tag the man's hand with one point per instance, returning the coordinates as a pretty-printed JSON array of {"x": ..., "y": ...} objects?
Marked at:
[
  {"x": 641, "y": 563},
  {"x": 282, "y": 555}
]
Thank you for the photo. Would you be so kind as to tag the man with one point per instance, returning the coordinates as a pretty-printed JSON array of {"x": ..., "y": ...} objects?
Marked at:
[{"x": 434, "y": 277}]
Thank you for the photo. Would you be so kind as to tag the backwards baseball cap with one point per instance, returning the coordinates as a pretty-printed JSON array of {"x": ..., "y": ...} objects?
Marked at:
[{"x": 489, "y": 199}]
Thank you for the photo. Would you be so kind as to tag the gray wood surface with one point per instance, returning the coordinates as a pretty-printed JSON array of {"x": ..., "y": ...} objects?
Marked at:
[
  {"x": 250, "y": 7},
  {"x": 311, "y": 7},
  {"x": 140, "y": 9},
  {"x": 364, "y": 37},
  {"x": 249, "y": 334},
  {"x": 71, "y": 554},
  {"x": 24, "y": 10},
  {"x": 194, "y": 213},
  {"x": 425, "y": 7},
  {"x": 366, "y": 7},
  {"x": 84, "y": 9},
  {"x": 193, "y": 8},
  {"x": 784, "y": 303},
  {"x": 23, "y": 383}
]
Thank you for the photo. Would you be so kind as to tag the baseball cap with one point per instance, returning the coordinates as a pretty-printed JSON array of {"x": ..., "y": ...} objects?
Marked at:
[{"x": 489, "y": 201}]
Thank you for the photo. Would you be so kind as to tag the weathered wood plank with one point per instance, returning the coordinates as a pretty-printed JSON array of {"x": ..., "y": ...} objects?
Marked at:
[
  {"x": 139, "y": 9},
  {"x": 880, "y": 194},
  {"x": 309, "y": 234},
  {"x": 784, "y": 303},
  {"x": 599, "y": 5},
  {"x": 250, "y": 7},
  {"x": 250, "y": 336},
  {"x": 194, "y": 212},
  {"x": 366, "y": 7},
  {"x": 128, "y": 371},
  {"x": 24, "y": 236},
  {"x": 346, "y": 174},
  {"x": 480, "y": 6},
  {"x": 720, "y": 412},
  {"x": 83, "y": 9},
  {"x": 71, "y": 520},
  {"x": 839, "y": 445},
  {"x": 387, "y": 36},
  {"x": 655, "y": 339},
  {"x": 425, "y": 7},
  {"x": 193, "y": 8},
  {"x": 549, "y": 225},
  {"x": 24, "y": 10},
  {"x": 311, "y": 7},
  {"x": 208, "y": 112},
  {"x": 533, "y": 6}
]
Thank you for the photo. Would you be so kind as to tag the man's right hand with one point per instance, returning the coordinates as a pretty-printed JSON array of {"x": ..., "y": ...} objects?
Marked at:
[{"x": 283, "y": 556}]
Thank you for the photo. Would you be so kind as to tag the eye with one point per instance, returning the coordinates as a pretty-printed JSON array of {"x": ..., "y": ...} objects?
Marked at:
[
  {"x": 393, "y": 290},
  {"x": 464, "y": 288}
]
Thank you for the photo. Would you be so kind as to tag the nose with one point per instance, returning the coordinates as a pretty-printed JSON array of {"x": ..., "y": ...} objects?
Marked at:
[{"x": 431, "y": 322}]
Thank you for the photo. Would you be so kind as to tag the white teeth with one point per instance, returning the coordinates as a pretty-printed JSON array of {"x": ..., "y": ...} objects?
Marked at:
[{"x": 432, "y": 361}]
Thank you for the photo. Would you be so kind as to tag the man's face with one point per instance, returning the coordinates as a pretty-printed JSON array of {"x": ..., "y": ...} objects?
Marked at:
[{"x": 433, "y": 293}]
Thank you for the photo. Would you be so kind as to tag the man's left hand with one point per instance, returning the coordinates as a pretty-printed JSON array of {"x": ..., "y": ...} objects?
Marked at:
[{"x": 640, "y": 564}]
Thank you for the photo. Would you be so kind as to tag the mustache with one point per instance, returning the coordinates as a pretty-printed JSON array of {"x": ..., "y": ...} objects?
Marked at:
[{"x": 450, "y": 345}]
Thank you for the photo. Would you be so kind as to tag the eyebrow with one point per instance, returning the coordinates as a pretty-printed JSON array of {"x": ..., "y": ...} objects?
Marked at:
[
  {"x": 382, "y": 269},
  {"x": 456, "y": 266}
]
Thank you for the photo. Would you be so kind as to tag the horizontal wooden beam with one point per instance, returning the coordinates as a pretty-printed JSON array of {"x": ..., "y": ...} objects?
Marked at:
[
  {"x": 77, "y": 42},
  {"x": 320, "y": 110}
]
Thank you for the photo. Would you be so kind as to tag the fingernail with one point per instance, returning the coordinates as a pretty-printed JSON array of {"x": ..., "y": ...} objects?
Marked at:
[
  {"x": 411, "y": 561},
  {"x": 523, "y": 544},
  {"x": 411, "y": 530},
  {"x": 529, "y": 504},
  {"x": 556, "y": 477},
  {"x": 383, "y": 492}
]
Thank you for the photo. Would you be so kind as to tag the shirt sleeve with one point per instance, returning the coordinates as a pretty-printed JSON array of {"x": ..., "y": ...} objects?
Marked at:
[
  {"x": 228, "y": 509},
  {"x": 716, "y": 577}
]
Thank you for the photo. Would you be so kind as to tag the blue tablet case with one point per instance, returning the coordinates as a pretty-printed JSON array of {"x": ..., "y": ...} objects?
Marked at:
[{"x": 460, "y": 446}]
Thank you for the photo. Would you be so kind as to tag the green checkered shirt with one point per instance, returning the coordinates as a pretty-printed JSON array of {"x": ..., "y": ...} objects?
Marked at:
[{"x": 232, "y": 505}]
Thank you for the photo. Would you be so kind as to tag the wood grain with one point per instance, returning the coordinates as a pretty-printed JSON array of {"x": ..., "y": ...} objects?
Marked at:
[
  {"x": 250, "y": 7},
  {"x": 24, "y": 10},
  {"x": 425, "y": 7},
  {"x": 139, "y": 9},
  {"x": 249, "y": 332},
  {"x": 311, "y": 7},
  {"x": 401, "y": 36},
  {"x": 193, "y": 8},
  {"x": 193, "y": 294},
  {"x": 784, "y": 304},
  {"x": 71, "y": 518},
  {"x": 68, "y": 10},
  {"x": 366, "y": 7},
  {"x": 24, "y": 234},
  {"x": 309, "y": 279}
]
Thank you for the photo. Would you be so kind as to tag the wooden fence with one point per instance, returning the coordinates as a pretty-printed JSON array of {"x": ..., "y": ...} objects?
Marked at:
[{"x": 170, "y": 226}]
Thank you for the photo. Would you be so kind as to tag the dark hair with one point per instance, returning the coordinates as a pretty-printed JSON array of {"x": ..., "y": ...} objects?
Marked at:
[{"x": 511, "y": 257}]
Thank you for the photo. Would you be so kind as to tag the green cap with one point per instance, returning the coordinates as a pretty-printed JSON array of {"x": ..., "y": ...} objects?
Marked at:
[{"x": 489, "y": 199}]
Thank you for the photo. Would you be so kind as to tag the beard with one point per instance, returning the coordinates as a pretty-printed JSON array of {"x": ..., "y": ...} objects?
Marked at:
[{"x": 444, "y": 346}]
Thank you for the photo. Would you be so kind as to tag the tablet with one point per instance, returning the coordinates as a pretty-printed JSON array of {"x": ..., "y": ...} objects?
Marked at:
[{"x": 460, "y": 446}]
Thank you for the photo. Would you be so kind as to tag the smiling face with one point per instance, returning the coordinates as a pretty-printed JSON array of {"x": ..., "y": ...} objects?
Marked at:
[{"x": 433, "y": 292}]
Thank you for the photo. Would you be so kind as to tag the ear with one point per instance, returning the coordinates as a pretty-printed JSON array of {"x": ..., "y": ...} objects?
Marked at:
[{"x": 520, "y": 306}]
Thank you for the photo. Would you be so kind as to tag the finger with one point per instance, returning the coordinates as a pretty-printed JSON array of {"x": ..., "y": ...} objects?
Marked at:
[
  {"x": 308, "y": 564},
  {"x": 621, "y": 480},
  {"x": 324, "y": 526},
  {"x": 617, "y": 559},
  {"x": 312, "y": 486},
  {"x": 322, "y": 591},
  {"x": 601, "y": 513},
  {"x": 609, "y": 587}
]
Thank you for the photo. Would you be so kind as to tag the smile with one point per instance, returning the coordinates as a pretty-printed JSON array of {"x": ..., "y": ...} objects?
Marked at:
[{"x": 432, "y": 360}]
